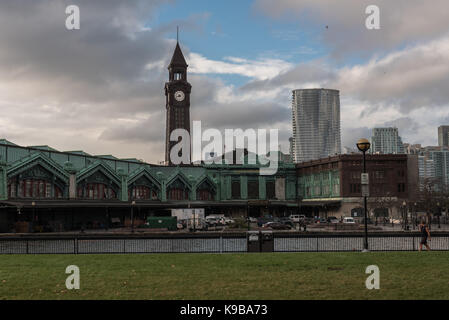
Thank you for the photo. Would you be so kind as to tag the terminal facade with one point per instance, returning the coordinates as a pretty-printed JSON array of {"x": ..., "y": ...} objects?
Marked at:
[{"x": 73, "y": 190}]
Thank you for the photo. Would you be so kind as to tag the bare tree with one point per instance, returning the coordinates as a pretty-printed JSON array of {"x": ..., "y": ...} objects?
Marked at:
[
  {"x": 387, "y": 202},
  {"x": 432, "y": 197}
]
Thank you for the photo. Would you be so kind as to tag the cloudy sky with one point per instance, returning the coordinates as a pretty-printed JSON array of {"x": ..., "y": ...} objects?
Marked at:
[{"x": 100, "y": 88}]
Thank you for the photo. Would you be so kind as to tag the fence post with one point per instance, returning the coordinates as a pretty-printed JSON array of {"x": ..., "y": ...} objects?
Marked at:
[
  {"x": 221, "y": 243},
  {"x": 27, "y": 246},
  {"x": 124, "y": 245},
  {"x": 75, "y": 245}
]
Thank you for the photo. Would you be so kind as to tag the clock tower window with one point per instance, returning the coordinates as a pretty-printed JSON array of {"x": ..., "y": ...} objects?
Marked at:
[{"x": 178, "y": 76}]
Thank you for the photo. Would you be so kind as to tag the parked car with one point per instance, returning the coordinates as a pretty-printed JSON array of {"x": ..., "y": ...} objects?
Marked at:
[
  {"x": 226, "y": 220},
  {"x": 252, "y": 219},
  {"x": 263, "y": 220},
  {"x": 332, "y": 220},
  {"x": 348, "y": 220},
  {"x": 212, "y": 221},
  {"x": 395, "y": 221},
  {"x": 287, "y": 221},
  {"x": 276, "y": 226},
  {"x": 297, "y": 217}
]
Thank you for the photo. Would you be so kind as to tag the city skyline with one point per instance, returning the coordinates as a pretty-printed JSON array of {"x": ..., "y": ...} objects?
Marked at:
[{"x": 100, "y": 88}]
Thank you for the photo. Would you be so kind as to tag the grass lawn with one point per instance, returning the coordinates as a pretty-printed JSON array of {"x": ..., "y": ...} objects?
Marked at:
[{"x": 403, "y": 275}]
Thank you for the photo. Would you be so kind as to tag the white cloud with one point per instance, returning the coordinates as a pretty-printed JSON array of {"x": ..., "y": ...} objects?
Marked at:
[{"x": 258, "y": 69}]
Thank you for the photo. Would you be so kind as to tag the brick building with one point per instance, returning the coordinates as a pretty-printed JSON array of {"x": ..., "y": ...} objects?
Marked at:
[{"x": 331, "y": 186}]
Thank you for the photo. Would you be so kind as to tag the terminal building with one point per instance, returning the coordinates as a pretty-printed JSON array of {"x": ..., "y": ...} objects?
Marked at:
[
  {"x": 61, "y": 191},
  {"x": 72, "y": 190}
]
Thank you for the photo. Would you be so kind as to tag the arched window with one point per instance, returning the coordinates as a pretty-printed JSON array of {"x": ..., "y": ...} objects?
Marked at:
[
  {"x": 177, "y": 194},
  {"x": 96, "y": 191},
  {"x": 205, "y": 191},
  {"x": 33, "y": 189},
  {"x": 177, "y": 190},
  {"x": 204, "y": 195},
  {"x": 177, "y": 76},
  {"x": 142, "y": 192}
]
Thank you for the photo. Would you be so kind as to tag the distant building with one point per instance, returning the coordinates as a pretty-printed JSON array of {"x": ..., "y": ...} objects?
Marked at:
[
  {"x": 433, "y": 165},
  {"x": 443, "y": 136},
  {"x": 426, "y": 170},
  {"x": 332, "y": 186},
  {"x": 440, "y": 160},
  {"x": 386, "y": 141},
  {"x": 290, "y": 141},
  {"x": 316, "y": 124},
  {"x": 349, "y": 150},
  {"x": 412, "y": 148}
]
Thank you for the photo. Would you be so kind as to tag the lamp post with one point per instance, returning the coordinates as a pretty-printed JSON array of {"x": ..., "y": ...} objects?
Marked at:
[
  {"x": 33, "y": 204},
  {"x": 404, "y": 215},
  {"x": 415, "y": 216},
  {"x": 438, "y": 213},
  {"x": 247, "y": 216},
  {"x": 364, "y": 145},
  {"x": 132, "y": 215}
]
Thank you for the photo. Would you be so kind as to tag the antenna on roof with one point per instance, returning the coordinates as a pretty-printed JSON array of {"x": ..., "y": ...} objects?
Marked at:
[{"x": 177, "y": 33}]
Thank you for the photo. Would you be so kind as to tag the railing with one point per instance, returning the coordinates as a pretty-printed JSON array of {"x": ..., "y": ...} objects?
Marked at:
[
  {"x": 157, "y": 243},
  {"x": 215, "y": 243},
  {"x": 385, "y": 241}
]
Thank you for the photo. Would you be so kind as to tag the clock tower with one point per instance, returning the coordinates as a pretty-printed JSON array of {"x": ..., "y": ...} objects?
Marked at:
[{"x": 177, "y": 97}]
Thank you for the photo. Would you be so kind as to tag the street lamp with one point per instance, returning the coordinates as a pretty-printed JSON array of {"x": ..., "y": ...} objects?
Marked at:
[
  {"x": 415, "y": 216},
  {"x": 404, "y": 214},
  {"x": 438, "y": 213},
  {"x": 133, "y": 203},
  {"x": 247, "y": 216},
  {"x": 364, "y": 145}
]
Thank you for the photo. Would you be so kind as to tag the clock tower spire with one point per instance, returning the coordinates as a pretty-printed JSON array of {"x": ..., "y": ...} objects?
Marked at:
[{"x": 177, "y": 99}]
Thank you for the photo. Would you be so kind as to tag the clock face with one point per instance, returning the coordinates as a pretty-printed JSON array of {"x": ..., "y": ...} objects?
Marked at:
[{"x": 179, "y": 96}]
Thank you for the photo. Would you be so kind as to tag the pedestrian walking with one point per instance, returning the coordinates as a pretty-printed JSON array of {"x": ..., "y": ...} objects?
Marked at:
[{"x": 425, "y": 235}]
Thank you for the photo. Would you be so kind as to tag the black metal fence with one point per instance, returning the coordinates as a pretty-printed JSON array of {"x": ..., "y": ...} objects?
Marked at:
[
  {"x": 407, "y": 241},
  {"x": 215, "y": 243},
  {"x": 157, "y": 243}
]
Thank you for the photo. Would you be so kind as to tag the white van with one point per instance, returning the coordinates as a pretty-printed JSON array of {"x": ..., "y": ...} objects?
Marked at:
[{"x": 348, "y": 220}]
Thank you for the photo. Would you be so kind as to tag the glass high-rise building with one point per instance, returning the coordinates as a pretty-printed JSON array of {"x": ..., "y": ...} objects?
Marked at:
[
  {"x": 443, "y": 136},
  {"x": 386, "y": 140},
  {"x": 441, "y": 164},
  {"x": 316, "y": 124}
]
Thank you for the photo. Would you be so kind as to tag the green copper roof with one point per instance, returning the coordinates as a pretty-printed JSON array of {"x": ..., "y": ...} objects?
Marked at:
[{"x": 45, "y": 148}]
